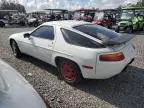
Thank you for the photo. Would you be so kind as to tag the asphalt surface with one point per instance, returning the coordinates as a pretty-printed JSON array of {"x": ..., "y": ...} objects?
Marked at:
[{"x": 123, "y": 91}]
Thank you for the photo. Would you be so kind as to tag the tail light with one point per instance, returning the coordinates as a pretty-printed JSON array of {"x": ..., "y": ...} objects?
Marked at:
[{"x": 112, "y": 57}]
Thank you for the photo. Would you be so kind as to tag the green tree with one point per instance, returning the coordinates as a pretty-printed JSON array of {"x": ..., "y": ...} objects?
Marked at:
[{"x": 12, "y": 6}]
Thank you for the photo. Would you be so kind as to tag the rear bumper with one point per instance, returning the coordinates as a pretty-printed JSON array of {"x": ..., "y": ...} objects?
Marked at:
[{"x": 106, "y": 70}]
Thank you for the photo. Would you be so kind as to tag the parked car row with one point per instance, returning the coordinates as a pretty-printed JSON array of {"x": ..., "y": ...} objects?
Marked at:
[
  {"x": 132, "y": 19},
  {"x": 128, "y": 19},
  {"x": 34, "y": 18},
  {"x": 100, "y": 17}
]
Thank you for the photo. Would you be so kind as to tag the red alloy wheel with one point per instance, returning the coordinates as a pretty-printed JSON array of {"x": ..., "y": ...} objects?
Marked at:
[{"x": 68, "y": 71}]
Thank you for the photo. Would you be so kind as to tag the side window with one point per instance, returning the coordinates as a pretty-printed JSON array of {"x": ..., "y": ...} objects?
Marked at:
[
  {"x": 46, "y": 32},
  {"x": 79, "y": 40}
]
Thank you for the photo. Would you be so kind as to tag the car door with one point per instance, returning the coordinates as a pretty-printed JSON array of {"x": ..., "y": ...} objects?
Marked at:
[{"x": 42, "y": 40}]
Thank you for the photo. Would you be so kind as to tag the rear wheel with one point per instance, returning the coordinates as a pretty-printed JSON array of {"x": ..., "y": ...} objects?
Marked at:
[
  {"x": 129, "y": 30},
  {"x": 143, "y": 28},
  {"x": 15, "y": 49},
  {"x": 117, "y": 30},
  {"x": 69, "y": 71},
  {"x": 2, "y": 24}
]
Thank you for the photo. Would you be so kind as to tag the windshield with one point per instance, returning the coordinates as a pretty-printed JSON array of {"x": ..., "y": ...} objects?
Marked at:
[
  {"x": 127, "y": 16},
  {"x": 99, "y": 15},
  {"x": 96, "y": 31}
]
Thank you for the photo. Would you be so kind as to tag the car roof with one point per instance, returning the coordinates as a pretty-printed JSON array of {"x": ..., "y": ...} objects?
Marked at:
[{"x": 66, "y": 23}]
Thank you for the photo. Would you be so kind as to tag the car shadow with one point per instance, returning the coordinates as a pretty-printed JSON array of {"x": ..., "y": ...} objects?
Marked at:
[
  {"x": 49, "y": 68},
  {"x": 125, "y": 90}
]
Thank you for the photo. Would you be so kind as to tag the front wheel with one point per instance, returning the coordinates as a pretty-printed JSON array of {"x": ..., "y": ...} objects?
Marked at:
[
  {"x": 15, "y": 49},
  {"x": 69, "y": 71}
]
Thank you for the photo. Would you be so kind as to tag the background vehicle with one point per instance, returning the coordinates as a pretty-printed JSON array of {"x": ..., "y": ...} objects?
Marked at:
[
  {"x": 19, "y": 19},
  {"x": 84, "y": 14},
  {"x": 33, "y": 21},
  {"x": 78, "y": 49},
  {"x": 5, "y": 16},
  {"x": 15, "y": 91},
  {"x": 36, "y": 18},
  {"x": 132, "y": 19},
  {"x": 12, "y": 17},
  {"x": 103, "y": 19},
  {"x": 114, "y": 15},
  {"x": 3, "y": 22},
  {"x": 99, "y": 17},
  {"x": 58, "y": 14}
]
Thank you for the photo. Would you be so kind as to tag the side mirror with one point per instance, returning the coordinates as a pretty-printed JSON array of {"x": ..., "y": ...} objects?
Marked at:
[{"x": 26, "y": 35}]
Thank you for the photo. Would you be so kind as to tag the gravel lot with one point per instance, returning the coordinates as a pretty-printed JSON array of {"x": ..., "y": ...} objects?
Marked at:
[{"x": 124, "y": 91}]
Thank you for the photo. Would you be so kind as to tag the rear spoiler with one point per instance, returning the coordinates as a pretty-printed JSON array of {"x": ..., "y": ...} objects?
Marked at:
[{"x": 118, "y": 40}]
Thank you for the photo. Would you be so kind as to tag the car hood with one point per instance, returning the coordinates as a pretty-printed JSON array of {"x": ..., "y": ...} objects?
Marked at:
[
  {"x": 15, "y": 91},
  {"x": 124, "y": 22},
  {"x": 17, "y": 35}
]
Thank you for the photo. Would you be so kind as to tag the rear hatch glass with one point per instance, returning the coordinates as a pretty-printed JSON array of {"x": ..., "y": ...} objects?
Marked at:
[{"x": 107, "y": 36}]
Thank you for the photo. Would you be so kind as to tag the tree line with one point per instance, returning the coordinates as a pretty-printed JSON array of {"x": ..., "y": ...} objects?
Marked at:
[
  {"x": 140, "y": 3},
  {"x": 9, "y": 5}
]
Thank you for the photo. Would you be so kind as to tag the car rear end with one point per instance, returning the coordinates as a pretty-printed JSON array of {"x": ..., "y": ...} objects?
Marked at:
[
  {"x": 112, "y": 63},
  {"x": 116, "y": 55}
]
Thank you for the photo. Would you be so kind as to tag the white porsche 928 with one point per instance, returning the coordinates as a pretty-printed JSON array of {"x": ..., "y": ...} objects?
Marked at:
[{"x": 78, "y": 49}]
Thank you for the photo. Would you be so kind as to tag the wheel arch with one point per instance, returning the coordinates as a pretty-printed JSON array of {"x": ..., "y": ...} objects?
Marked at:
[
  {"x": 10, "y": 40},
  {"x": 2, "y": 22},
  {"x": 59, "y": 57}
]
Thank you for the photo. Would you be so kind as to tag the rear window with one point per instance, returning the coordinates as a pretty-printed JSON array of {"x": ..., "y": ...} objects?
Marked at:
[
  {"x": 97, "y": 31},
  {"x": 79, "y": 40}
]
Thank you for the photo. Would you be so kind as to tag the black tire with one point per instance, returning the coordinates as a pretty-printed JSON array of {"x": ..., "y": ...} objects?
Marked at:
[
  {"x": 74, "y": 68},
  {"x": 2, "y": 24},
  {"x": 117, "y": 30},
  {"x": 143, "y": 28},
  {"x": 110, "y": 27},
  {"x": 36, "y": 24},
  {"x": 129, "y": 30},
  {"x": 15, "y": 49},
  {"x": 22, "y": 23}
]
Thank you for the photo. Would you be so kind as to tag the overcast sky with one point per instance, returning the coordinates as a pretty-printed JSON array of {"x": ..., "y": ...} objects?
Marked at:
[{"x": 32, "y": 5}]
